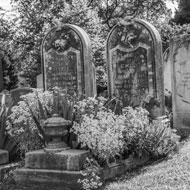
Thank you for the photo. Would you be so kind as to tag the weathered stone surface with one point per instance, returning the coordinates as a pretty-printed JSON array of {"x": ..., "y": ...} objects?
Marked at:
[
  {"x": 180, "y": 66},
  {"x": 117, "y": 169},
  {"x": 134, "y": 62},
  {"x": 71, "y": 159},
  {"x": 40, "y": 81},
  {"x": 4, "y": 156},
  {"x": 57, "y": 178},
  {"x": 6, "y": 168},
  {"x": 113, "y": 171},
  {"x": 43, "y": 177},
  {"x": 67, "y": 62}
]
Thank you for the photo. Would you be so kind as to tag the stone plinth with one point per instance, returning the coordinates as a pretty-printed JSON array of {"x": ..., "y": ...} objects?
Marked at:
[
  {"x": 69, "y": 179},
  {"x": 4, "y": 157},
  {"x": 72, "y": 160},
  {"x": 46, "y": 177}
]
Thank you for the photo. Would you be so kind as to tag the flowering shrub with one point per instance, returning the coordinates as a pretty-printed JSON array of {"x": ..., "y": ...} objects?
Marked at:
[
  {"x": 142, "y": 137},
  {"x": 102, "y": 134},
  {"x": 108, "y": 135},
  {"x": 21, "y": 124},
  {"x": 88, "y": 106}
]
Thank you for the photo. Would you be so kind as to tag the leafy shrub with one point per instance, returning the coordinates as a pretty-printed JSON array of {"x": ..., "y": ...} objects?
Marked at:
[
  {"x": 102, "y": 134},
  {"x": 88, "y": 106},
  {"x": 108, "y": 135},
  {"x": 21, "y": 123},
  {"x": 142, "y": 137}
]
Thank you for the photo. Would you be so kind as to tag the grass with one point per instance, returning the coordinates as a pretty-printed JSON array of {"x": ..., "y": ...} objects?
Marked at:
[{"x": 170, "y": 174}]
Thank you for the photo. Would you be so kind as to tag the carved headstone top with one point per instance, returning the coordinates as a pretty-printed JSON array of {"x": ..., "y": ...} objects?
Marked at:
[
  {"x": 66, "y": 53},
  {"x": 134, "y": 62}
]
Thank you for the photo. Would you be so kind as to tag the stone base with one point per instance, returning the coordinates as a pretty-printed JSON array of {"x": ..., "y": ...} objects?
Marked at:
[
  {"x": 72, "y": 159},
  {"x": 117, "y": 169},
  {"x": 6, "y": 168},
  {"x": 69, "y": 179},
  {"x": 44, "y": 178},
  {"x": 4, "y": 156}
]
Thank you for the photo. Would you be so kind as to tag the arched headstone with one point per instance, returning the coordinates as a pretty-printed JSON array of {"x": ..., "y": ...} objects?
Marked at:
[
  {"x": 67, "y": 63},
  {"x": 180, "y": 67},
  {"x": 134, "y": 62}
]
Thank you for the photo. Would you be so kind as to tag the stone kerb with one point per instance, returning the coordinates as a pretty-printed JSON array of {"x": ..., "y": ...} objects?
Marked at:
[
  {"x": 134, "y": 62},
  {"x": 180, "y": 70},
  {"x": 75, "y": 70}
]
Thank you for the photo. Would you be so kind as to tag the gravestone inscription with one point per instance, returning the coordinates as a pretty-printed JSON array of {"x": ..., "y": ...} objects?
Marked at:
[
  {"x": 66, "y": 53},
  {"x": 180, "y": 67},
  {"x": 134, "y": 62}
]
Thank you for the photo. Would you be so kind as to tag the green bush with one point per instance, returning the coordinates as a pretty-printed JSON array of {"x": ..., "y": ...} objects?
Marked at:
[
  {"x": 142, "y": 137},
  {"x": 108, "y": 135},
  {"x": 21, "y": 122},
  {"x": 102, "y": 134}
]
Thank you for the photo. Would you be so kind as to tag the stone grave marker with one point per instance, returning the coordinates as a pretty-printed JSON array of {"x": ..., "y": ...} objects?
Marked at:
[
  {"x": 18, "y": 92},
  {"x": 167, "y": 71},
  {"x": 180, "y": 67},
  {"x": 134, "y": 62},
  {"x": 67, "y": 63}
]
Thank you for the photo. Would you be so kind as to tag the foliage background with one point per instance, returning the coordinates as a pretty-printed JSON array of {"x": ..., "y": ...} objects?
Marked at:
[{"x": 21, "y": 34}]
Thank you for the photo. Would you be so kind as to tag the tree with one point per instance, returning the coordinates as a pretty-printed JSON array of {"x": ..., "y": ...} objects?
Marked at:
[
  {"x": 182, "y": 15},
  {"x": 10, "y": 78},
  {"x": 97, "y": 17}
]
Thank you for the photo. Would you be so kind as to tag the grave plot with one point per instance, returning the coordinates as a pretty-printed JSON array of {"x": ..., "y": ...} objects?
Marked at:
[
  {"x": 66, "y": 58},
  {"x": 134, "y": 63}
]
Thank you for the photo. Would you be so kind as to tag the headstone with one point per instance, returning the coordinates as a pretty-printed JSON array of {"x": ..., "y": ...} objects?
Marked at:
[
  {"x": 167, "y": 72},
  {"x": 134, "y": 62},
  {"x": 180, "y": 67},
  {"x": 1, "y": 71},
  {"x": 67, "y": 63},
  {"x": 18, "y": 92}
]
